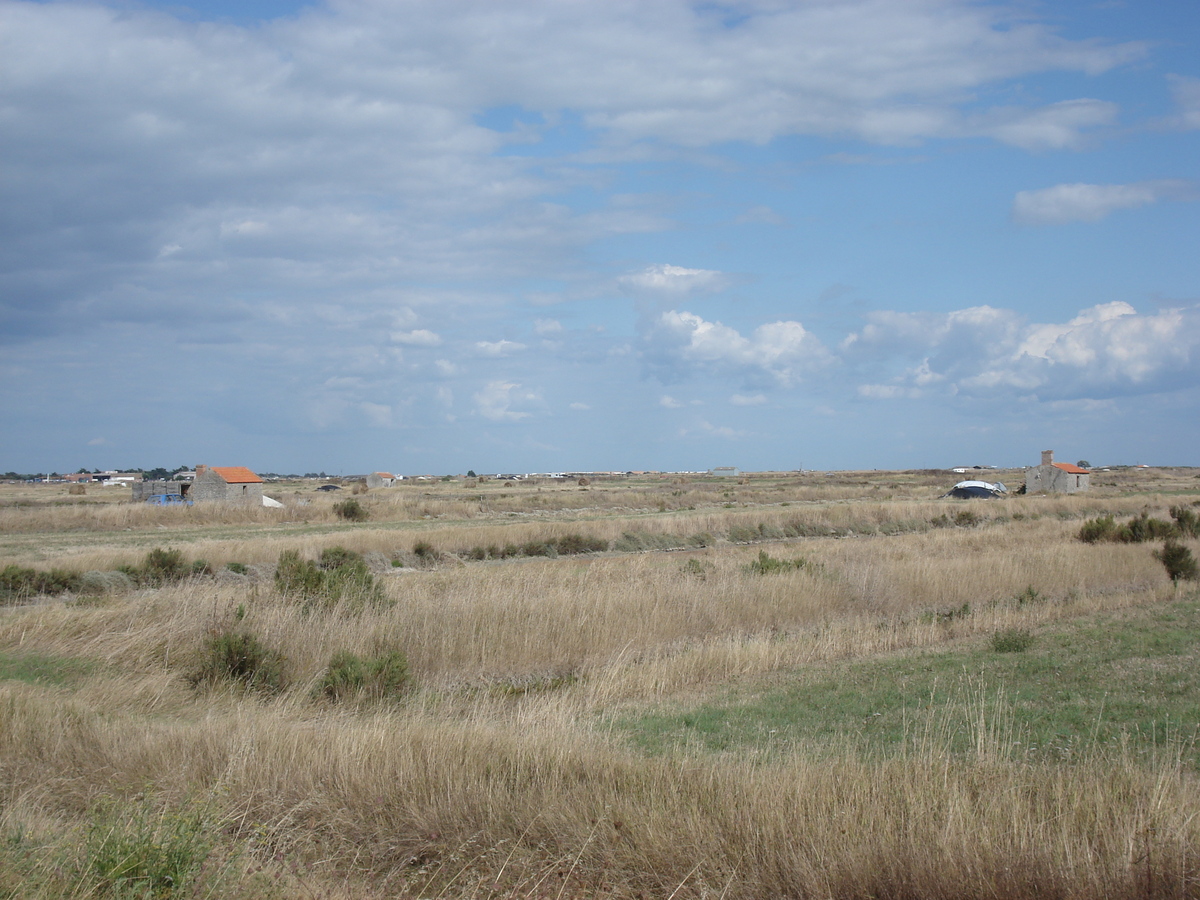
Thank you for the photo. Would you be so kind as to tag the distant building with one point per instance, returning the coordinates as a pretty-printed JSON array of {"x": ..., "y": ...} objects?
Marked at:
[
  {"x": 380, "y": 479},
  {"x": 228, "y": 484},
  {"x": 1056, "y": 478},
  {"x": 725, "y": 471}
]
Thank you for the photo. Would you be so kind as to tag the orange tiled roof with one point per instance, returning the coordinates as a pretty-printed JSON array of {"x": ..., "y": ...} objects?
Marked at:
[
  {"x": 385, "y": 474},
  {"x": 1071, "y": 469},
  {"x": 236, "y": 474}
]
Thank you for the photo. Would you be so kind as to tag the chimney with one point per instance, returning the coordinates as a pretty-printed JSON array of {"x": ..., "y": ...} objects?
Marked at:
[
  {"x": 200, "y": 469},
  {"x": 1047, "y": 457}
]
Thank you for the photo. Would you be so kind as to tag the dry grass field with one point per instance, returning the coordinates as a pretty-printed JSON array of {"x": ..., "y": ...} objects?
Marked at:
[{"x": 785, "y": 685}]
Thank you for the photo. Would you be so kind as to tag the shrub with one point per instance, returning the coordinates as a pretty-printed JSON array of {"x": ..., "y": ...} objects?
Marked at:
[
  {"x": 538, "y": 548},
  {"x": 742, "y": 534},
  {"x": 1012, "y": 640},
  {"x": 1143, "y": 528},
  {"x": 338, "y": 574},
  {"x": 967, "y": 518},
  {"x": 1178, "y": 560},
  {"x": 635, "y": 541},
  {"x": 18, "y": 583},
  {"x": 152, "y": 854},
  {"x": 380, "y": 677},
  {"x": 162, "y": 566},
  {"x": 1187, "y": 522},
  {"x": 1099, "y": 529},
  {"x": 694, "y": 568},
  {"x": 766, "y": 564},
  {"x": 425, "y": 551},
  {"x": 578, "y": 543},
  {"x": 240, "y": 657},
  {"x": 351, "y": 510},
  {"x": 1029, "y": 595},
  {"x": 238, "y": 568}
]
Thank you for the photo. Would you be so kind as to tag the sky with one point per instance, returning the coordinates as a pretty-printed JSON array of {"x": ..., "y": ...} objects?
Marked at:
[{"x": 428, "y": 236}]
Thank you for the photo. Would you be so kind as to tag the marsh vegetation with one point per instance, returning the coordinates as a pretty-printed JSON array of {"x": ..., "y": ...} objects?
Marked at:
[{"x": 805, "y": 685}]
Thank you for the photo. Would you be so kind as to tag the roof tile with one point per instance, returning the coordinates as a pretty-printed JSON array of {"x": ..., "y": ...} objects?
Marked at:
[{"x": 236, "y": 474}]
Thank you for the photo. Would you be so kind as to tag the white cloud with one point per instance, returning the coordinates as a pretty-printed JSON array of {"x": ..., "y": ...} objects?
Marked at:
[
  {"x": 1186, "y": 92},
  {"x": 748, "y": 400},
  {"x": 721, "y": 431},
  {"x": 669, "y": 402},
  {"x": 498, "y": 348},
  {"x": 446, "y": 368},
  {"x": 547, "y": 327},
  {"x": 784, "y": 350},
  {"x": 495, "y": 400},
  {"x": 1090, "y": 202},
  {"x": 379, "y": 414},
  {"x": 1059, "y": 126},
  {"x": 761, "y": 215},
  {"x": 1104, "y": 351},
  {"x": 581, "y": 407},
  {"x": 419, "y": 337},
  {"x": 674, "y": 280}
]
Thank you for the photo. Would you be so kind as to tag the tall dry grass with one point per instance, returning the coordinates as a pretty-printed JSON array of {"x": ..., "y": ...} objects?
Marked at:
[
  {"x": 495, "y": 776},
  {"x": 415, "y": 805}
]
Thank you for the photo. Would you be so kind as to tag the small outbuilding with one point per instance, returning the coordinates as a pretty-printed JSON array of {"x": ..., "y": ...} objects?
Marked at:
[
  {"x": 380, "y": 479},
  {"x": 1056, "y": 478},
  {"x": 227, "y": 484}
]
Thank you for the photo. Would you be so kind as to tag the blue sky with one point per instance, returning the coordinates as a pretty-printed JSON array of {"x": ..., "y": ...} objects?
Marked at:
[{"x": 544, "y": 236}]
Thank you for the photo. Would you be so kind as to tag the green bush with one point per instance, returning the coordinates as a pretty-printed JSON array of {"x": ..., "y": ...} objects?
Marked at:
[
  {"x": 18, "y": 583},
  {"x": 1178, "y": 560},
  {"x": 151, "y": 854},
  {"x": 1028, "y": 596},
  {"x": 239, "y": 657},
  {"x": 351, "y": 510},
  {"x": 1187, "y": 522},
  {"x": 1140, "y": 528},
  {"x": 578, "y": 543},
  {"x": 380, "y": 677},
  {"x": 163, "y": 566},
  {"x": 694, "y": 568},
  {"x": 766, "y": 564},
  {"x": 238, "y": 568},
  {"x": 1099, "y": 529},
  {"x": 1012, "y": 640},
  {"x": 967, "y": 518},
  {"x": 635, "y": 541},
  {"x": 742, "y": 534},
  {"x": 801, "y": 528},
  {"x": 338, "y": 574},
  {"x": 1143, "y": 528}
]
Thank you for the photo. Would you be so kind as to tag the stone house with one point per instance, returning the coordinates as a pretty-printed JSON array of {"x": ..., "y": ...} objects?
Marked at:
[
  {"x": 380, "y": 479},
  {"x": 1057, "y": 478},
  {"x": 228, "y": 484}
]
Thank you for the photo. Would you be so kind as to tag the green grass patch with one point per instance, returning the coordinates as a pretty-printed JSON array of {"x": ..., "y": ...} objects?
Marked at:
[
  {"x": 39, "y": 668},
  {"x": 1071, "y": 688}
]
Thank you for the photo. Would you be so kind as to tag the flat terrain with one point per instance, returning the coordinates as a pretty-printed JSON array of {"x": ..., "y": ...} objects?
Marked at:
[{"x": 781, "y": 684}]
